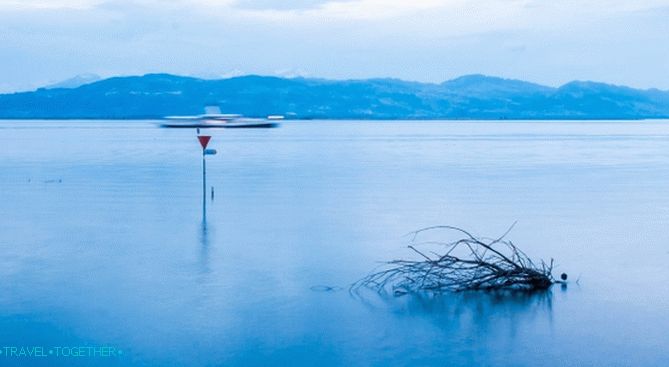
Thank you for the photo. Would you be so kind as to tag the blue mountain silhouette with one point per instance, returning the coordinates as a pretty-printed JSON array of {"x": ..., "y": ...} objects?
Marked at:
[{"x": 467, "y": 97}]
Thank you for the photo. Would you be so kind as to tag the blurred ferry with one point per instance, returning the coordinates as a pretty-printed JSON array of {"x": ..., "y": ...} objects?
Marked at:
[{"x": 213, "y": 118}]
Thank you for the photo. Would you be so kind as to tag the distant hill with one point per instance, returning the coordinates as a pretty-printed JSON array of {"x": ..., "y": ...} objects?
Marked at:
[
  {"x": 467, "y": 97},
  {"x": 75, "y": 82}
]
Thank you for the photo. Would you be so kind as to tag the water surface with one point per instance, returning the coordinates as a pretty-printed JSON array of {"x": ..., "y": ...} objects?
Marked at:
[{"x": 104, "y": 241}]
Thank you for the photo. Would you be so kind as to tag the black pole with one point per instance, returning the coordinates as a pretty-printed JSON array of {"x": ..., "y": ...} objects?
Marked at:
[{"x": 204, "y": 187}]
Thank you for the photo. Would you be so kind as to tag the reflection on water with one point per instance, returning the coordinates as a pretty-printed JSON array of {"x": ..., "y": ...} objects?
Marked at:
[
  {"x": 204, "y": 238},
  {"x": 126, "y": 248},
  {"x": 479, "y": 308},
  {"x": 484, "y": 304},
  {"x": 473, "y": 311},
  {"x": 204, "y": 230}
]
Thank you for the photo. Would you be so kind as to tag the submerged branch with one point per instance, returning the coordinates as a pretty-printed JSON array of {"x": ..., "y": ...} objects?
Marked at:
[{"x": 469, "y": 263}]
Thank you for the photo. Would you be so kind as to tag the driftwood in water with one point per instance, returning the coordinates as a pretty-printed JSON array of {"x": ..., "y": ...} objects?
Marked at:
[{"x": 469, "y": 263}]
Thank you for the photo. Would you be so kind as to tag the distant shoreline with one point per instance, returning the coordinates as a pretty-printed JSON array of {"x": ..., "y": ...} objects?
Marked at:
[{"x": 352, "y": 119}]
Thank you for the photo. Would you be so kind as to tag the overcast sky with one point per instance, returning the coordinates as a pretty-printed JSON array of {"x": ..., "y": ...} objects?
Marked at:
[{"x": 545, "y": 41}]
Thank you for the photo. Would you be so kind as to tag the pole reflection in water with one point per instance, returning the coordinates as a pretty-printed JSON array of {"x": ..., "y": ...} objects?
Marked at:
[
  {"x": 204, "y": 230},
  {"x": 204, "y": 241}
]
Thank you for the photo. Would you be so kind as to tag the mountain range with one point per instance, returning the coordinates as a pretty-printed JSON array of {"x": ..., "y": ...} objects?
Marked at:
[{"x": 467, "y": 97}]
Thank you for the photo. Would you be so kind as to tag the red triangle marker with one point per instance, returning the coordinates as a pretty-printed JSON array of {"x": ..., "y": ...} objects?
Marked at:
[{"x": 204, "y": 140}]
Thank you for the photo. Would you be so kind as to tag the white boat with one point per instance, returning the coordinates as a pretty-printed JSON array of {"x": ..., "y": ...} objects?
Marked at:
[{"x": 213, "y": 118}]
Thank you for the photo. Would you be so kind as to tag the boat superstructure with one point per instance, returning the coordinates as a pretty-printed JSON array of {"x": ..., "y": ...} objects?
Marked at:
[{"x": 213, "y": 118}]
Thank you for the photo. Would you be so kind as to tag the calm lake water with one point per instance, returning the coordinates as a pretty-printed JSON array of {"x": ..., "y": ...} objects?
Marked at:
[{"x": 103, "y": 242}]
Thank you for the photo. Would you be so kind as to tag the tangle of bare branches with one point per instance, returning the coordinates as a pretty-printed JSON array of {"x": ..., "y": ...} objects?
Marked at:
[{"x": 468, "y": 263}]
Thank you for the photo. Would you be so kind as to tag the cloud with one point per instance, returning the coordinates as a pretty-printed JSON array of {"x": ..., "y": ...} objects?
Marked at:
[
  {"x": 369, "y": 9},
  {"x": 278, "y": 5},
  {"x": 47, "y": 4},
  {"x": 314, "y": 10},
  {"x": 429, "y": 40}
]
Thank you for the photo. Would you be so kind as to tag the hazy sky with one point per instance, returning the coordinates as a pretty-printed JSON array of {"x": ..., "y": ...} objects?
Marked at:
[{"x": 545, "y": 41}]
